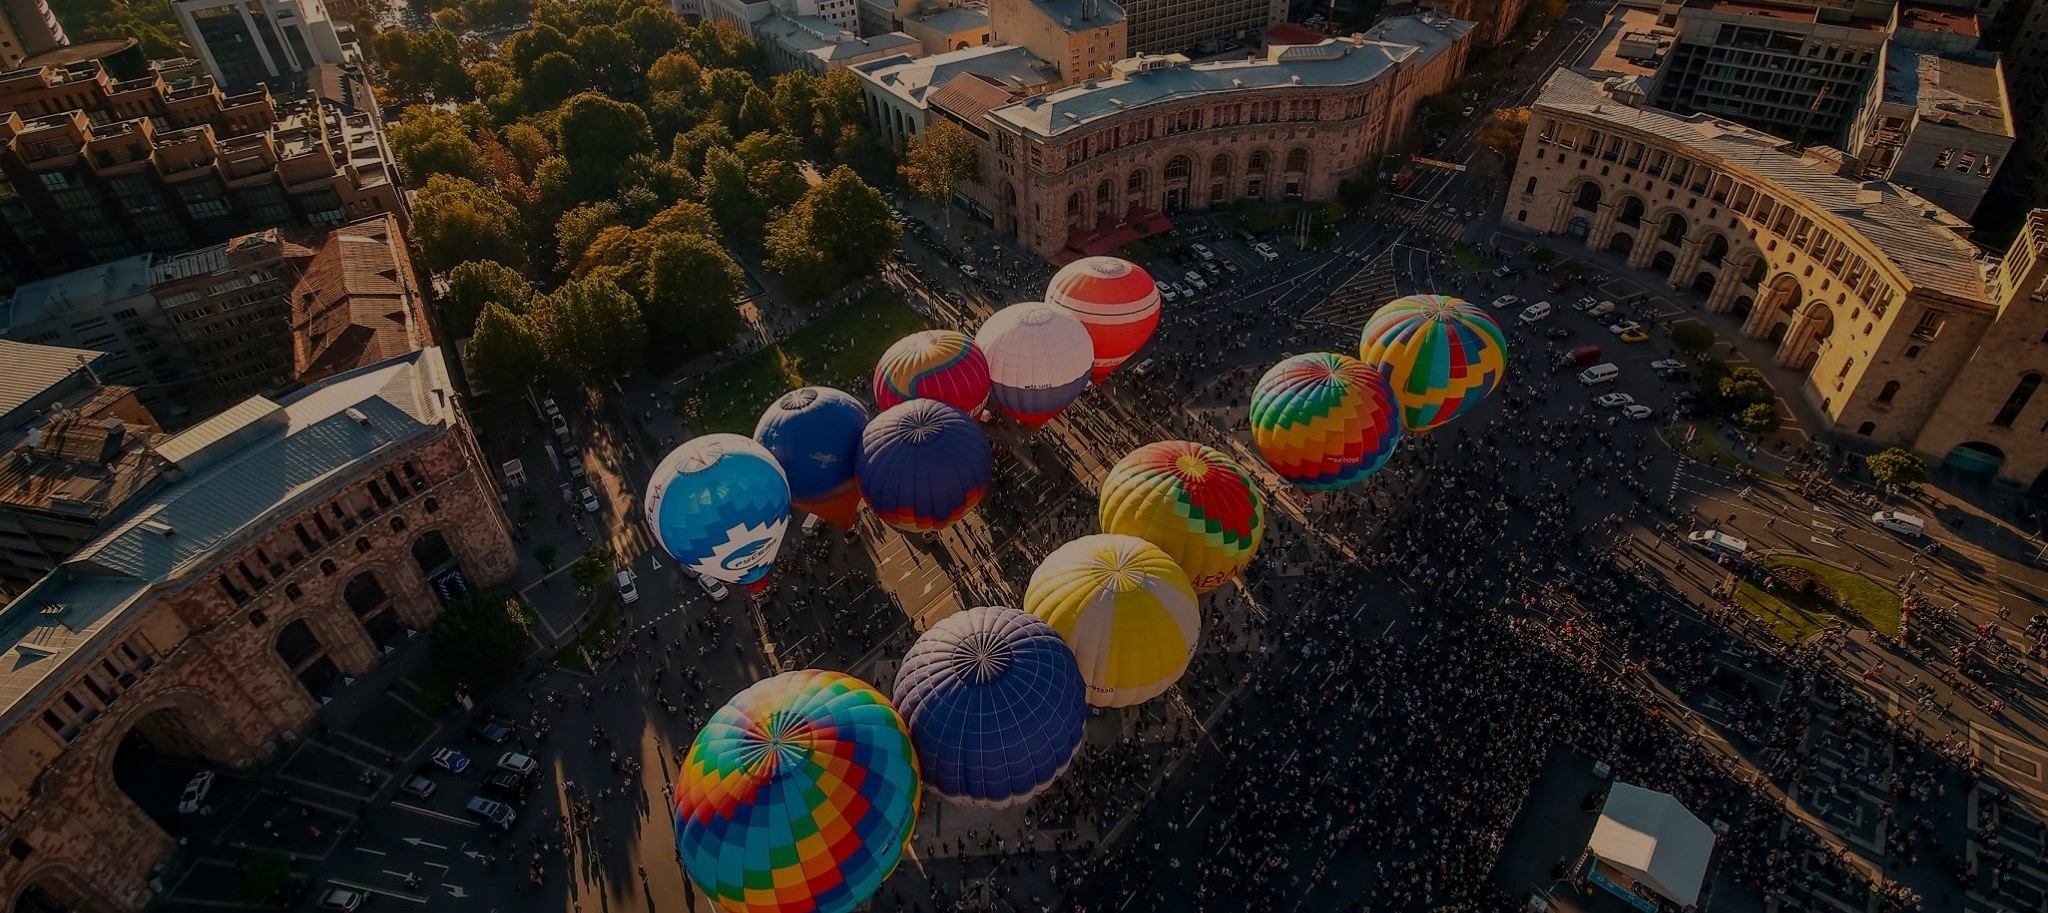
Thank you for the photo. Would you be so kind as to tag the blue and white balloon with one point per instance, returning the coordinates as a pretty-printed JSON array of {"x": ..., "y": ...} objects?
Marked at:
[{"x": 720, "y": 504}]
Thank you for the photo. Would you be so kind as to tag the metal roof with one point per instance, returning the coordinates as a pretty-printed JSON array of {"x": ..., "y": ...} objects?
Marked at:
[
  {"x": 86, "y": 290},
  {"x": 1918, "y": 237},
  {"x": 1960, "y": 91},
  {"x": 910, "y": 78},
  {"x": 320, "y": 434},
  {"x": 33, "y": 370}
]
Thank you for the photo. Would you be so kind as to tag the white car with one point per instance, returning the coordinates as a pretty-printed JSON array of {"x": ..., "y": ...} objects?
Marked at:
[
  {"x": 1666, "y": 364},
  {"x": 194, "y": 797},
  {"x": 628, "y": 593},
  {"x": 1166, "y": 292},
  {"x": 1611, "y": 400},
  {"x": 549, "y": 408},
  {"x": 518, "y": 763},
  {"x": 1623, "y": 326},
  {"x": 341, "y": 899},
  {"x": 1195, "y": 280},
  {"x": 1582, "y": 303},
  {"x": 1637, "y": 411},
  {"x": 968, "y": 270},
  {"x": 1506, "y": 301},
  {"x": 711, "y": 588},
  {"x": 560, "y": 426},
  {"x": 589, "y": 499},
  {"x": 1469, "y": 111},
  {"x": 1601, "y": 309},
  {"x": 1266, "y": 252},
  {"x": 1202, "y": 251}
]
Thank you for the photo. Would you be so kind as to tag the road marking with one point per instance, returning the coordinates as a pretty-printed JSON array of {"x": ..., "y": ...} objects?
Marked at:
[
  {"x": 1819, "y": 541},
  {"x": 365, "y": 849},
  {"x": 455, "y": 889},
  {"x": 416, "y": 841},
  {"x": 371, "y": 890},
  {"x": 465, "y": 822}
]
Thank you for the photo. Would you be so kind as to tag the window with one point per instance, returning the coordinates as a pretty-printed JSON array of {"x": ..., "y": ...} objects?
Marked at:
[
  {"x": 1929, "y": 326},
  {"x": 327, "y": 568},
  {"x": 1530, "y": 187},
  {"x": 2021, "y": 392},
  {"x": 1912, "y": 351},
  {"x": 398, "y": 524},
  {"x": 1891, "y": 389},
  {"x": 257, "y": 618}
]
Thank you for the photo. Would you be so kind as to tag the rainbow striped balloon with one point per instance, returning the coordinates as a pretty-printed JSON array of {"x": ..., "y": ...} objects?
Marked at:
[
  {"x": 1196, "y": 504},
  {"x": 1324, "y": 420},
  {"x": 798, "y": 796},
  {"x": 933, "y": 364},
  {"x": 1442, "y": 355}
]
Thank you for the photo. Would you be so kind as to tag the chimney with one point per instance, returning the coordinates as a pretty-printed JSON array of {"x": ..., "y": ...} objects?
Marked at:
[{"x": 1089, "y": 9}]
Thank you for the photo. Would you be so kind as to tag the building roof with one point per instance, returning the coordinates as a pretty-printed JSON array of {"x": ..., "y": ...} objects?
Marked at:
[
  {"x": 910, "y": 78},
  {"x": 356, "y": 305},
  {"x": 65, "y": 55},
  {"x": 1652, "y": 835},
  {"x": 80, "y": 291},
  {"x": 1157, "y": 80},
  {"x": 1761, "y": 10},
  {"x": 1916, "y": 236},
  {"x": 1291, "y": 33},
  {"x": 1939, "y": 19},
  {"x": 955, "y": 20},
  {"x": 283, "y": 456},
  {"x": 1965, "y": 92},
  {"x": 803, "y": 34},
  {"x": 1074, "y": 15},
  {"x": 970, "y": 96},
  {"x": 32, "y": 370}
]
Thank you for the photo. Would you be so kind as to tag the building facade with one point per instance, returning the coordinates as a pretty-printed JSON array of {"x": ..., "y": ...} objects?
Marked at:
[
  {"x": 1907, "y": 334},
  {"x": 1165, "y": 135},
  {"x": 1173, "y": 26},
  {"x": 1797, "y": 70},
  {"x": 1936, "y": 124},
  {"x": 211, "y": 624},
  {"x": 93, "y": 169},
  {"x": 231, "y": 307},
  {"x": 899, "y": 89},
  {"x": 111, "y": 308},
  {"x": 1493, "y": 20},
  {"x": 244, "y": 43},
  {"x": 1080, "y": 38},
  {"x": 28, "y": 28},
  {"x": 809, "y": 44}
]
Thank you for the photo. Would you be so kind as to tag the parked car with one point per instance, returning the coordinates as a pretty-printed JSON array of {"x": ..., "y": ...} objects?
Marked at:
[
  {"x": 628, "y": 593},
  {"x": 1611, "y": 400},
  {"x": 589, "y": 500},
  {"x": 1557, "y": 332},
  {"x": 343, "y": 899},
  {"x": 1662, "y": 365},
  {"x": 968, "y": 270},
  {"x": 518, "y": 764},
  {"x": 1266, "y": 251},
  {"x": 576, "y": 470},
  {"x": 1215, "y": 272},
  {"x": 1602, "y": 309},
  {"x": 1231, "y": 268},
  {"x": 450, "y": 760},
  {"x": 1202, "y": 251},
  {"x": 560, "y": 426},
  {"x": 549, "y": 408},
  {"x": 1195, "y": 280},
  {"x": 194, "y": 797},
  {"x": 1506, "y": 301},
  {"x": 1560, "y": 287},
  {"x": 1635, "y": 335},
  {"x": 505, "y": 786},
  {"x": 1583, "y": 303},
  {"x": 1637, "y": 411},
  {"x": 1623, "y": 327},
  {"x": 419, "y": 785},
  {"x": 490, "y": 731},
  {"x": 490, "y": 812}
]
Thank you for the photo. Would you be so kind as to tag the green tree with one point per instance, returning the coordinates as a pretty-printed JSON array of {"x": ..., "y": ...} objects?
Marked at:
[
  {"x": 940, "y": 159},
  {"x": 479, "y": 640},
  {"x": 676, "y": 71},
  {"x": 556, "y": 76},
  {"x": 756, "y": 112},
  {"x": 593, "y": 329},
  {"x": 1759, "y": 418},
  {"x": 1895, "y": 466},
  {"x": 691, "y": 285},
  {"x": 525, "y": 49},
  {"x": 578, "y": 229},
  {"x": 729, "y": 194},
  {"x": 1357, "y": 193},
  {"x": 478, "y": 284},
  {"x": 684, "y": 218},
  {"x": 1692, "y": 337},
  {"x": 150, "y": 23},
  {"x": 592, "y": 571},
  {"x": 838, "y": 232},
  {"x": 598, "y": 135},
  {"x": 796, "y": 104},
  {"x": 504, "y": 352},
  {"x": 691, "y": 149},
  {"x": 423, "y": 64},
  {"x": 776, "y": 184},
  {"x": 455, "y": 219},
  {"x": 1502, "y": 135},
  {"x": 768, "y": 146},
  {"x": 431, "y": 141},
  {"x": 654, "y": 33},
  {"x": 604, "y": 51}
]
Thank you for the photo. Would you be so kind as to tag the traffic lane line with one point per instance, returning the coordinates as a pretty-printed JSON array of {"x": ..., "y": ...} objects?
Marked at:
[
  {"x": 430, "y": 813},
  {"x": 368, "y": 889}
]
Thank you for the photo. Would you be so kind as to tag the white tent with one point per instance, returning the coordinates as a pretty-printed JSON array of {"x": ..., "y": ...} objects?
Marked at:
[{"x": 1653, "y": 838}]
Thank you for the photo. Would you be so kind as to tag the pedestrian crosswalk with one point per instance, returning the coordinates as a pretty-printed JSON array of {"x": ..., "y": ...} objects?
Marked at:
[
  {"x": 1435, "y": 223},
  {"x": 1350, "y": 305}
]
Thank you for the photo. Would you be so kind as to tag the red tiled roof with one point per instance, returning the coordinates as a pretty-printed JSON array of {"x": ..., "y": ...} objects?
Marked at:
[
  {"x": 356, "y": 304},
  {"x": 970, "y": 96}
]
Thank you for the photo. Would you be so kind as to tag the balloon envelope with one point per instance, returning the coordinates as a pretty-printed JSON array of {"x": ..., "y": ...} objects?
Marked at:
[
  {"x": 1126, "y": 609},
  {"x": 923, "y": 465},
  {"x": 1196, "y": 504},
  {"x": 1115, "y": 299},
  {"x": 995, "y": 705},
  {"x": 933, "y": 364},
  {"x": 1324, "y": 420},
  {"x": 720, "y": 504},
  {"x": 814, "y": 434},
  {"x": 1039, "y": 359},
  {"x": 798, "y": 795},
  {"x": 1441, "y": 354}
]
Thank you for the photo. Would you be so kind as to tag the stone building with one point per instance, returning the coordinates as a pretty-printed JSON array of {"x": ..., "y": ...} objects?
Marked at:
[
  {"x": 1200, "y": 26},
  {"x": 1493, "y": 20},
  {"x": 1081, "y": 38},
  {"x": 298, "y": 539},
  {"x": 1907, "y": 333},
  {"x": 1069, "y": 169}
]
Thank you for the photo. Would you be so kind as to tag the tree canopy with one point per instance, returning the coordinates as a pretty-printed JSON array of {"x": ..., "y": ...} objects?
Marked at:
[
  {"x": 837, "y": 233},
  {"x": 479, "y": 639}
]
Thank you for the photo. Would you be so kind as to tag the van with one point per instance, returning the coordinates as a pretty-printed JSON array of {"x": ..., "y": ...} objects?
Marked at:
[
  {"x": 1904, "y": 524},
  {"x": 628, "y": 593},
  {"x": 1602, "y": 373},
  {"x": 1581, "y": 357},
  {"x": 1535, "y": 312},
  {"x": 1717, "y": 543}
]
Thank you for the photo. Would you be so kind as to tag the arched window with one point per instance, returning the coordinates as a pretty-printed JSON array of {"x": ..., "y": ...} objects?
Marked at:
[
  {"x": 1529, "y": 187},
  {"x": 1297, "y": 160},
  {"x": 362, "y": 545},
  {"x": 1884, "y": 396},
  {"x": 398, "y": 524},
  {"x": 1258, "y": 160},
  {"x": 327, "y": 567},
  {"x": 1177, "y": 168},
  {"x": 432, "y": 505},
  {"x": 1074, "y": 204},
  {"x": 1867, "y": 429},
  {"x": 2017, "y": 402},
  {"x": 1847, "y": 363},
  {"x": 1136, "y": 183},
  {"x": 1588, "y": 198},
  {"x": 292, "y": 592},
  {"x": 1219, "y": 167}
]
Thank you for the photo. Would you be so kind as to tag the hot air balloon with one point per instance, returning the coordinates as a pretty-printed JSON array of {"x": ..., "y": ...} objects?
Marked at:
[
  {"x": 1196, "y": 504},
  {"x": 1441, "y": 355},
  {"x": 933, "y": 364},
  {"x": 1115, "y": 300},
  {"x": 719, "y": 503},
  {"x": 923, "y": 465},
  {"x": 1039, "y": 358},
  {"x": 799, "y": 795},
  {"x": 814, "y": 434},
  {"x": 995, "y": 705},
  {"x": 1324, "y": 420},
  {"x": 1126, "y": 609}
]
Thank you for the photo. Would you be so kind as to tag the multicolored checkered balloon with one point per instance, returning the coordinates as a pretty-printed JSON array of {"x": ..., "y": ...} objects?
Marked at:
[
  {"x": 798, "y": 796},
  {"x": 1324, "y": 420},
  {"x": 1196, "y": 504},
  {"x": 1442, "y": 355}
]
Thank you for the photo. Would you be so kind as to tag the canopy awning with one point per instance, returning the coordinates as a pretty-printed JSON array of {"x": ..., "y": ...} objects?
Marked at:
[{"x": 1654, "y": 838}]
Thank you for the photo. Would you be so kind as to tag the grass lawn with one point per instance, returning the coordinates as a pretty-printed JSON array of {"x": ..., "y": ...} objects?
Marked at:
[
  {"x": 597, "y": 635},
  {"x": 1870, "y": 605},
  {"x": 836, "y": 350},
  {"x": 1710, "y": 448},
  {"x": 1470, "y": 259}
]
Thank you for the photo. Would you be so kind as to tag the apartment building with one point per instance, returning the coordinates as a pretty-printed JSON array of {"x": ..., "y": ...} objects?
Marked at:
[{"x": 246, "y": 43}]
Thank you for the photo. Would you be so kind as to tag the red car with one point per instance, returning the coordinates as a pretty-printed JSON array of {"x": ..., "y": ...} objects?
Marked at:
[{"x": 1560, "y": 286}]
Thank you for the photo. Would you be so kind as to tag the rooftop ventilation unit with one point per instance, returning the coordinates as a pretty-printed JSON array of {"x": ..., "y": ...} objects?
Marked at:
[{"x": 357, "y": 415}]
